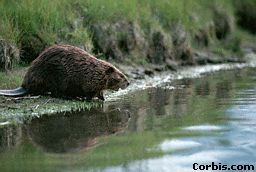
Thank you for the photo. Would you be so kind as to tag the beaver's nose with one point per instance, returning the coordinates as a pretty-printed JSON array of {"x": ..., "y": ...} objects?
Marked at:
[{"x": 128, "y": 83}]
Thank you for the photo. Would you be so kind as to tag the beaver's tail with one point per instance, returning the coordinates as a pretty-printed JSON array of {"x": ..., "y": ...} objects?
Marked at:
[{"x": 14, "y": 93}]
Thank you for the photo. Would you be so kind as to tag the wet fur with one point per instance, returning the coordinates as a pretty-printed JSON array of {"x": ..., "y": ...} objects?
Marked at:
[{"x": 65, "y": 70}]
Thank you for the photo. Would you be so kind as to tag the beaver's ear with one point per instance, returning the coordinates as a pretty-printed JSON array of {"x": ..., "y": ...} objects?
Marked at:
[{"x": 110, "y": 70}]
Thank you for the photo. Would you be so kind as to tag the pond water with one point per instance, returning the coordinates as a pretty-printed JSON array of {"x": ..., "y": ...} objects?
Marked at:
[{"x": 166, "y": 127}]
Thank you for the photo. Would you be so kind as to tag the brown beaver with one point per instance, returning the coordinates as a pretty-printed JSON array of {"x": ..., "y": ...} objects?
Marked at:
[{"x": 65, "y": 70}]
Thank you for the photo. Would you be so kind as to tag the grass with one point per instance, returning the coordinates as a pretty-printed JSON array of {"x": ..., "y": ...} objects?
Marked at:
[
  {"x": 71, "y": 20},
  {"x": 47, "y": 19},
  {"x": 32, "y": 17},
  {"x": 18, "y": 110},
  {"x": 12, "y": 79}
]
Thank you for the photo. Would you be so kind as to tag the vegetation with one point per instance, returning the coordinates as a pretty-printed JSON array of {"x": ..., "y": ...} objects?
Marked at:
[
  {"x": 11, "y": 80},
  {"x": 246, "y": 14},
  {"x": 34, "y": 25},
  {"x": 139, "y": 31},
  {"x": 133, "y": 31}
]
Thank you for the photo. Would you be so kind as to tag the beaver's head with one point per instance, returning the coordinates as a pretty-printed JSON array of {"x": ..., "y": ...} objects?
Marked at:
[{"x": 115, "y": 79}]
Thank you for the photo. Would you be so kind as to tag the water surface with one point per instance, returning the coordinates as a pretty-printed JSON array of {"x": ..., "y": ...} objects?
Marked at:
[{"x": 159, "y": 127}]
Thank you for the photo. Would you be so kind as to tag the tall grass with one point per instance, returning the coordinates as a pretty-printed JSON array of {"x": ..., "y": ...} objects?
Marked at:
[
  {"x": 47, "y": 19},
  {"x": 70, "y": 20},
  {"x": 33, "y": 17}
]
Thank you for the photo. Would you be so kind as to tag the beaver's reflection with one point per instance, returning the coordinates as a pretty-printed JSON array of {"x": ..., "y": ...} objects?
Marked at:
[
  {"x": 75, "y": 131},
  {"x": 10, "y": 137}
]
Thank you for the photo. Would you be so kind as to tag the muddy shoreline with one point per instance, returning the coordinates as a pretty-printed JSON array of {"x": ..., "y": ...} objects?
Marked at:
[{"x": 201, "y": 58}]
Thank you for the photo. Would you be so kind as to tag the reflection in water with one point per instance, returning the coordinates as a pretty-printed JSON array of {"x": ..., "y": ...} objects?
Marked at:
[
  {"x": 74, "y": 131},
  {"x": 203, "y": 120},
  {"x": 66, "y": 132},
  {"x": 223, "y": 89},
  {"x": 180, "y": 98},
  {"x": 10, "y": 137},
  {"x": 203, "y": 89},
  {"x": 159, "y": 98}
]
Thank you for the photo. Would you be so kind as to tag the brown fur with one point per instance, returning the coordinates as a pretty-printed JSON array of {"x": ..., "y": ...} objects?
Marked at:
[{"x": 65, "y": 70}]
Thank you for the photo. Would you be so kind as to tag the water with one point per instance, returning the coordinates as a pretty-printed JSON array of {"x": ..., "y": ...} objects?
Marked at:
[{"x": 162, "y": 126}]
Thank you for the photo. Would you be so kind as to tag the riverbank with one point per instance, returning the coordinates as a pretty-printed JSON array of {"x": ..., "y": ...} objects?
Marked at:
[
  {"x": 161, "y": 33},
  {"x": 17, "y": 110},
  {"x": 143, "y": 39}
]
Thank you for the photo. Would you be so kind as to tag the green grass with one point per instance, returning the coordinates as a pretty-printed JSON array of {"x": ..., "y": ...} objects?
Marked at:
[
  {"x": 48, "y": 19},
  {"x": 166, "y": 12},
  {"x": 18, "y": 110},
  {"x": 33, "y": 17},
  {"x": 11, "y": 80},
  {"x": 70, "y": 20}
]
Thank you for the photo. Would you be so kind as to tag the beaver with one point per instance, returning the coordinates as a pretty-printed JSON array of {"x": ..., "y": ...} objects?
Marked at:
[{"x": 68, "y": 71}]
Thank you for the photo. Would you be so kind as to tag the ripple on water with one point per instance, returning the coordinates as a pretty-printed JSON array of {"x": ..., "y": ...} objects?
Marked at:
[
  {"x": 5, "y": 123},
  {"x": 205, "y": 127},
  {"x": 175, "y": 145}
]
